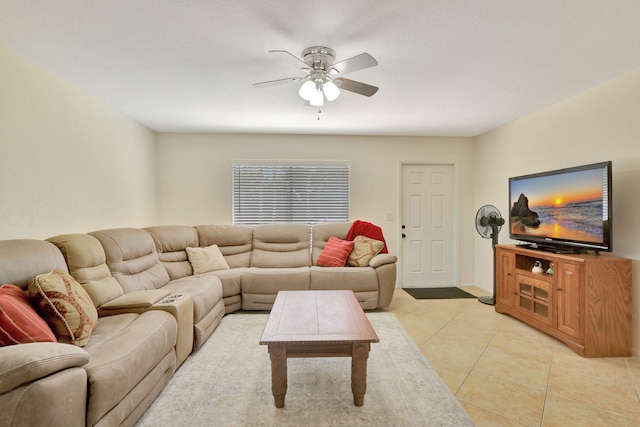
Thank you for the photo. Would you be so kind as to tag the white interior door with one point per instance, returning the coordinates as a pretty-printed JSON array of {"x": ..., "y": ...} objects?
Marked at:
[{"x": 427, "y": 226}]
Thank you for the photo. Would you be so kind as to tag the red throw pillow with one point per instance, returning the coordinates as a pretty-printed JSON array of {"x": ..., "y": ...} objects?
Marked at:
[
  {"x": 19, "y": 321},
  {"x": 335, "y": 253}
]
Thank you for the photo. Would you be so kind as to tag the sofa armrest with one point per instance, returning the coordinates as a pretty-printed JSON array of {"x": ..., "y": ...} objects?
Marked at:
[
  {"x": 24, "y": 363},
  {"x": 382, "y": 259},
  {"x": 133, "y": 301}
]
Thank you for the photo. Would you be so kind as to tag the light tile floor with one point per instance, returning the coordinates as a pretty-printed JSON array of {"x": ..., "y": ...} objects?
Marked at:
[{"x": 506, "y": 373}]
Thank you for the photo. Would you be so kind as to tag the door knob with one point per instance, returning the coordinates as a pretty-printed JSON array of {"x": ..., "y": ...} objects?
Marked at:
[
  {"x": 404, "y": 235},
  {"x": 404, "y": 226}
]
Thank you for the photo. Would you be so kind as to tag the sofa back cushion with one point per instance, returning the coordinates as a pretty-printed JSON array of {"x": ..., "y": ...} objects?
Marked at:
[
  {"x": 132, "y": 258},
  {"x": 235, "y": 241},
  {"x": 23, "y": 259},
  {"x": 87, "y": 264},
  {"x": 321, "y": 233},
  {"x": 171, "y": 243},
  {"x": 281, "y": 246}
]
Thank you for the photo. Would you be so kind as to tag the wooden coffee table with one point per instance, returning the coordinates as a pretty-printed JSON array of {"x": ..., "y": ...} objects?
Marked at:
[{"x": 318, "y": 324}]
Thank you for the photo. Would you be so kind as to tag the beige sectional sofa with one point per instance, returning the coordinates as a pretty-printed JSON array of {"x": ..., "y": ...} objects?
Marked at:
[
  {"x": 133, "y": 260},
  {"x": 112, "y": 380},
  {"x": 153, "y": 311}
]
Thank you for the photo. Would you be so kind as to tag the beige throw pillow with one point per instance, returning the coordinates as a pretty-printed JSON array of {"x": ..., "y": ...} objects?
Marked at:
[
  {"x": 64, "y": 305},
  {"x": 363, "y": 251},
  {"x": 206, "y": 259}
]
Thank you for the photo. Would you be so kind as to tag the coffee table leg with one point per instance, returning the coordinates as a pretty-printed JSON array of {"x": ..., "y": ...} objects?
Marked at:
[
  {"x": 359, "y": 355},
  {"x": 278, "y": 354}
]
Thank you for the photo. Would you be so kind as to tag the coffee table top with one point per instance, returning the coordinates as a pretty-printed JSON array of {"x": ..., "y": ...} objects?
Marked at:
[{"x": 307, "y": 317}]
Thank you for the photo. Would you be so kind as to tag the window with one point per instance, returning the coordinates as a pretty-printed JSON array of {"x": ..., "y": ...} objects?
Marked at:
[{"x": 303, "y": 192}]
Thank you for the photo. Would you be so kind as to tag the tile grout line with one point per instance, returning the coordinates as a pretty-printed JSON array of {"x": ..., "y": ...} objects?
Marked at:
[
  {"x": 546, "y": 391},
  {"x": 495, "y": 334},
  {"x": 633, "y": 380}
]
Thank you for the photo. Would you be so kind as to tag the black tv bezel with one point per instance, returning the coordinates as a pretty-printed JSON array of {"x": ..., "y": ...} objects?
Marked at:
[{"x": 568, "y": 245}]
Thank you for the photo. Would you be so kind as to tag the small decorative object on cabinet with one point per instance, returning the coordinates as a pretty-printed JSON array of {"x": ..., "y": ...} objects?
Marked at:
[
  {"x": 537, "y": 267},
  {"x": 582, "y": 300}
]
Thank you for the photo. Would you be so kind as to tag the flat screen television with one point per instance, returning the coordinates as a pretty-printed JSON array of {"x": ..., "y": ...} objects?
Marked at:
[{"x": 565, "y": 210}]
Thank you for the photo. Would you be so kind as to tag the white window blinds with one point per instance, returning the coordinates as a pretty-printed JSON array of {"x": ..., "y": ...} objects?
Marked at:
[{"x": 290, "y": 192}]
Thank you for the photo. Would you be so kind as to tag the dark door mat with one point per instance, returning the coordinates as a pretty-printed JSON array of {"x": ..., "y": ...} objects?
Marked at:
[{"x": 438, "y": 293}]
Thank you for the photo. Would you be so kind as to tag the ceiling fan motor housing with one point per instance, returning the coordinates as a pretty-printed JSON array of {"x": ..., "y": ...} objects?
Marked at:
[{"x": 318, "y": 57}]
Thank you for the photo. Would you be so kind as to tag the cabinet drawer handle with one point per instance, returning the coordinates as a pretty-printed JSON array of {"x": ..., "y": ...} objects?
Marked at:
[{"x": 559, "y": 289}]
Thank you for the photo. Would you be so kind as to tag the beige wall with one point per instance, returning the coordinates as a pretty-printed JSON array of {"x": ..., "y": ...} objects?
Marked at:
[
  {"x": 71, "y": 164},
  {"x": 601, "y": 124},
  {"x": 194, "y": 175},
  {"x": 67, "y": 162}
]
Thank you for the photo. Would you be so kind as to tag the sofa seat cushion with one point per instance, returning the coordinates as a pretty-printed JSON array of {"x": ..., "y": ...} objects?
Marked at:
[
  {"x": 357, "y": 279},
  {"x": 261, "y": 285},
  {"x": 206, "y": 291},
  {"x": 231, "y": 280},
  {"x": 123, "y": 350}
]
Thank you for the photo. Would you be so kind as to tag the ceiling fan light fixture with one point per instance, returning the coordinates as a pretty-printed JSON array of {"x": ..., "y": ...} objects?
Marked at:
[
  {"x": 308, "y": 90},
  {"x": 318, "y": 99},
  {"x": 324, "y": 76},
  {"x": 331, "y": 91}
]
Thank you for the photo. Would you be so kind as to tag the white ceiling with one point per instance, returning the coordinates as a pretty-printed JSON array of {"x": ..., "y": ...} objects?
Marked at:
[{"x": 447, "y": 67}]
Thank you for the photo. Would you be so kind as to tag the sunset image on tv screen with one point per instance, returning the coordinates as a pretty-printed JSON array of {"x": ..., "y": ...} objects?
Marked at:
[{"x": 564, "y": 206}]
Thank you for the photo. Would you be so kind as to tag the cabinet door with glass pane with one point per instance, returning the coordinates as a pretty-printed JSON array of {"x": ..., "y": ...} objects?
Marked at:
[{"x": 534, "y": 298}]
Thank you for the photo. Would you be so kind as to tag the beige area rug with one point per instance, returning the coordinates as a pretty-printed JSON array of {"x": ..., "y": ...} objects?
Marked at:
[{"x": 227, "y": 382}]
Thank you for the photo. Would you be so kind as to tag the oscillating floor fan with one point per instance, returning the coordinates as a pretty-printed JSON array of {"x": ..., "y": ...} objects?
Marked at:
[{"x": 488, "y": 223}]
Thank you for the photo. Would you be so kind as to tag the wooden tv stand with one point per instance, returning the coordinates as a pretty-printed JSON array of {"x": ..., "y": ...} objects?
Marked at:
[{"x": 585, "y": 303}]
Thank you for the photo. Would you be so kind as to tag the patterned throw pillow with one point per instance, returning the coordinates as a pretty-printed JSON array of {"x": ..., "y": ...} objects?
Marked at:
[
  {"x": 334, "y": 253},
  {"x": 19, "y": 322},
  {"x": 206, "y": 259},
  {"x": 65, "y": 305},
  {"x": 363, "y": 250}
]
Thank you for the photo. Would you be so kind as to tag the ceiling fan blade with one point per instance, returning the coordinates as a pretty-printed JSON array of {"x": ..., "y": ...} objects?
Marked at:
[
  {"x": 355, "y": 63},
  {"x": 356, "y": 87},
  {"x": 290, "y": 58},
  {"x": 277, "y": 81}
]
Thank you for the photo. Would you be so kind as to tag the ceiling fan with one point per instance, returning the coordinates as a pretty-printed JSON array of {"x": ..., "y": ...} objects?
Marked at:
[{"x": 323, "y": 77}]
